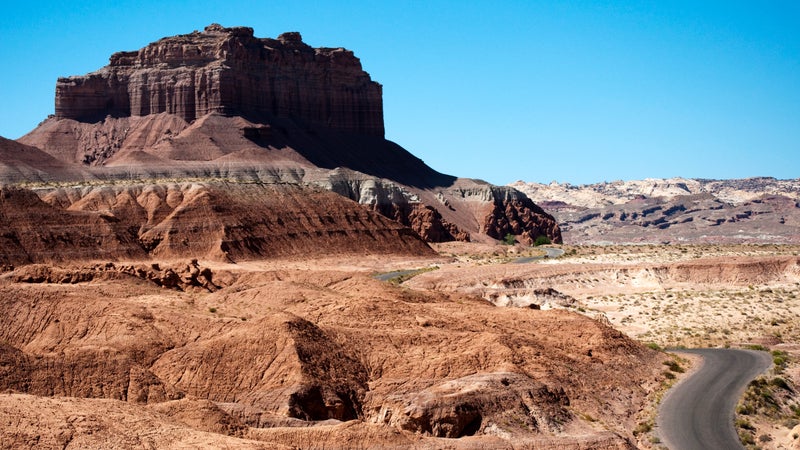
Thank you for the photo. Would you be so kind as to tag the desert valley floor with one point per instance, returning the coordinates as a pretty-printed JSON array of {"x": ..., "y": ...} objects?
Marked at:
[{"x": 318, "y": 353}]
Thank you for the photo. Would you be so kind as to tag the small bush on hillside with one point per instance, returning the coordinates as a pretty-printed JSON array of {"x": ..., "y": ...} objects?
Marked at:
[
  {"x": 541, "y": 240},
  {"x": 674, "y": 366},
  {"x": 510, "y": 239}
]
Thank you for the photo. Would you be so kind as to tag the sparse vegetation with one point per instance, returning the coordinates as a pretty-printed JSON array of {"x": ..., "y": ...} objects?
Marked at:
[
  {"x": 780, "y": 359},
  {"x": 674, "y": 366},
  {"x": 768, "y": 399},
  {"x": 642, "y": 428}
]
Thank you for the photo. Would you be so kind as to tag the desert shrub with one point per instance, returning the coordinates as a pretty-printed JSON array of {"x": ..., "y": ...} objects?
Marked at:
[
  {"x": 746, "y": 438},
  {"x": 780, "y": 359},
  {"x": 212, "y": 310},
  {"x": 642, "y": 427},
  {"x": 541, "y": 240},
  {"x": 781, "y": 383},
  {"x": 674, "y": 366},
  {"x": 510, "y": 239},
  {"x": 757, "y": 347},
  {"x": 744, "y": 424}
]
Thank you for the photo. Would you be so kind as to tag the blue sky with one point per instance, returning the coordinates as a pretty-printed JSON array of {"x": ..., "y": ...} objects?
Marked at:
[{"x": 578, "y": 91}]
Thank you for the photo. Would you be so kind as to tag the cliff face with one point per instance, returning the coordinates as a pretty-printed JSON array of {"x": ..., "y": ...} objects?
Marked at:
[{"x": 228, "y": 70}]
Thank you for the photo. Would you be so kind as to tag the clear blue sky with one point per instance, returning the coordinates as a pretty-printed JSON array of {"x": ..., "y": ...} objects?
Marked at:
[{"x": 578, "y": 91}]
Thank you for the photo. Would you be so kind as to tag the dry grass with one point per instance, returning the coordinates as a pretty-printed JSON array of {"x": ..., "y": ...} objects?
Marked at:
[{"x": 705, "y": 317}]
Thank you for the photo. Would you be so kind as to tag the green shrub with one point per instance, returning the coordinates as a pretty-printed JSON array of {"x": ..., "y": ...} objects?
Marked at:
[
  {"x": 781, "y": 383},
  {"x": 757, "y": 347},
  {"x": 541, "y": 240},
  {"x": 510, "y": 239},
  {"x": 780, "y": 359},
  {"x": 642, "y": 427},
  {"x": 744, "y": 424},
  {"x": 674, "y": 366}
]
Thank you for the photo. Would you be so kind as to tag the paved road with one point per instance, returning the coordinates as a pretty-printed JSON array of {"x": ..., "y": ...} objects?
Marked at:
[
  {"x": 697, "y": 414},
  {"x": 549, "y": 253},
  {"x": 397, "y": 273}
]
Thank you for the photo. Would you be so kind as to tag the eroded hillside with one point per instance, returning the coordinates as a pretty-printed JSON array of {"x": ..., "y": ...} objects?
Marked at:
[{"x": 270, "y": 353}]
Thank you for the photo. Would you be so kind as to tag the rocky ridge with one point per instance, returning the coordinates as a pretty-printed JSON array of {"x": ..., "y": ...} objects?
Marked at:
[
  {"x": 754, "y": 210},
  {"x": 164, "y": 283}
]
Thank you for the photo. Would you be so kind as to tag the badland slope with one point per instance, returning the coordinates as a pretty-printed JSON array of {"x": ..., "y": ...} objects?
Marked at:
[
  {"x": 108, "y": 354},
  {"x": 218, "y": 221},
  {"x": 753, "y": 210}
]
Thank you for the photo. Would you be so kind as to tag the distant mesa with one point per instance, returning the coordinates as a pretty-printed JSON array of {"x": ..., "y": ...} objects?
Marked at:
[{"x": 229, "y": 71}]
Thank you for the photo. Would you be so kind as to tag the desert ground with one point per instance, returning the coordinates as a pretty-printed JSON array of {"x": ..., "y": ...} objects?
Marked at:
[
  {"x": 303, "y": 353},
  {"x": 665, "y": 296},
  {"x": 333, "y": 355}
]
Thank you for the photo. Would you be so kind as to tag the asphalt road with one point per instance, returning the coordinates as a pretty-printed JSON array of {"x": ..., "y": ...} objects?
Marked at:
[
  {"x": 397, "y": 273},
  {"x": 549, "y": 253},
  {"x": 697, "y": 413}
]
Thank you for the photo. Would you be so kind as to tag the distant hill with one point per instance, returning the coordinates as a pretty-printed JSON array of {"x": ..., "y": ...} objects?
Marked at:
[{"x": 752, "y": 210}]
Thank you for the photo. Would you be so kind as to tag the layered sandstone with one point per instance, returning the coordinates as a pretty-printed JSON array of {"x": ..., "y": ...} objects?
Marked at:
[
  {"x": 229, "y": 71},
  {"x": 224, "y": 105},
  {"x": 194, "y": 220}
]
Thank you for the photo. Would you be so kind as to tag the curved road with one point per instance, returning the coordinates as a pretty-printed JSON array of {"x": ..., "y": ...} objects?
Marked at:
[
  {"x": 549, "y": 252},
  {"x": 697, "y": 414}
]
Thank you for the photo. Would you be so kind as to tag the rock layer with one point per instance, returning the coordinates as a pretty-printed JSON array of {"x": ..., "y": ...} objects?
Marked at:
[
  {"x": 191, "y": 220},
  {"x": 228, "y": 70}
]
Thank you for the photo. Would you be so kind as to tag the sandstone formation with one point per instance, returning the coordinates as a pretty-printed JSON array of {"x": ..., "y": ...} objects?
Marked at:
[
  {"x": 195, "y": 220},
  {"x": 562, "y": 284},
  {"x": 228, "y": 70},
  {"x": 756, "y": 210},
  {"x": 224, "y": 104}
]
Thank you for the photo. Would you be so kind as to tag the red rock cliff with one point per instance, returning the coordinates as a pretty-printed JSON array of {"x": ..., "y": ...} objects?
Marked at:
[{"x": 230, "y": 71}]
